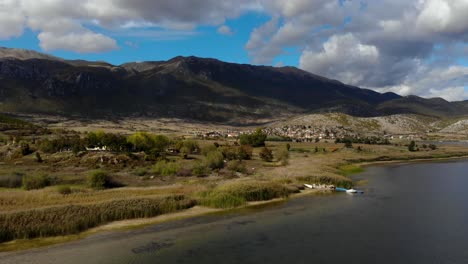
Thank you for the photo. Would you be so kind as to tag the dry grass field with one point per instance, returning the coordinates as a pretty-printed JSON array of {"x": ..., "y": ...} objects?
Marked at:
[{"x": 144, "y": 188}]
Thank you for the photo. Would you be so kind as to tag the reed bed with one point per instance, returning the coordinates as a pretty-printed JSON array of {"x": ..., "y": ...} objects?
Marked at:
[
  {"x": 20, "y": 200},
  {"x": 236, "y": 194},
  {"x": 339, "y": 181},
  {"x": 72, "y": 219}
]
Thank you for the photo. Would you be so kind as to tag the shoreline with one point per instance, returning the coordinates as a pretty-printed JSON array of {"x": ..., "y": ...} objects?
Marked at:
[
  {"x": 196, "y": 211},
  {"x": 401, "y": 161}
]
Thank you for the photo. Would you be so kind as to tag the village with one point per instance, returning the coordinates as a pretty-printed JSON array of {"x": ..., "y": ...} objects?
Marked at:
[{"x": 302, "y": 133}]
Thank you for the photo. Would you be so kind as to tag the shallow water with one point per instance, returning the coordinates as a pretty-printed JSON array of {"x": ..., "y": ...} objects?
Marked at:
[{"x": 415, "y": 213}]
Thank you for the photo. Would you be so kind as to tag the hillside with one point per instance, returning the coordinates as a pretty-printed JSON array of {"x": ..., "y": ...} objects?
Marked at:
[{"x": 189, "y": 88}]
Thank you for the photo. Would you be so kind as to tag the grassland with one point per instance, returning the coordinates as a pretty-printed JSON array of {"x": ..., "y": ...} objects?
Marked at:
[{"x": 68, "y": 206}]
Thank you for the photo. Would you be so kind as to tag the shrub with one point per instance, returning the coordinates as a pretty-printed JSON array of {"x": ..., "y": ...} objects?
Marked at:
[
  {"x": 140, "y": 171},
  {"x": 229, "y": 153},
  {"x": 256, "y": 139},
  {"x": 237, "y": 166},
  {"x": 432, "y": 146},
  {"x": 215, "y": 160},
  {"x": 283, "y": 156},
  {"x": 200, "y": 169},
  {"x": 25, "y": 149},
  {"x": 99, "y": 180},
  {"x": 165, "y": 168},
  {"x": 412, "y": 146},
  {"x": 38, "y": 157},
  {"x": 14, "y": 180},
  {"x": 207, "y": 149},
  {"x": 266, "y": 154},
  {"x": 189, "y": 146},
  {"x": 64, "y": 190},
  {"x": 32, "y": 182},
  {"x": 348, "y": 143},
  {"x": 244, "y": 152},
  {"x": 184, "y": 152}
]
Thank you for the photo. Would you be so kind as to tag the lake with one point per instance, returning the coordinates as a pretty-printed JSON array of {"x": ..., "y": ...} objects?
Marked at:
[{"x": 412, "y": 213}]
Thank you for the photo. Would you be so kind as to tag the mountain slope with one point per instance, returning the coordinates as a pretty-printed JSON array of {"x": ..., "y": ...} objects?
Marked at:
[{"x": 189, "y": 87}]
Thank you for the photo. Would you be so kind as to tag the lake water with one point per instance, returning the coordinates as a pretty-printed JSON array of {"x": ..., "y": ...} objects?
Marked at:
[{"x": 414, "y": 213}]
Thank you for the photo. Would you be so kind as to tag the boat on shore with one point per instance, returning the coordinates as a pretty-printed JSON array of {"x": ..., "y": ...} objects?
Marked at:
[{"x": 351, "y": 191}]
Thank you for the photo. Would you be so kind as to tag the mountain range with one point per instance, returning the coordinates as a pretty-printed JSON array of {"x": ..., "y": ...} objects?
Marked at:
[{"x": 190, "y": 88}]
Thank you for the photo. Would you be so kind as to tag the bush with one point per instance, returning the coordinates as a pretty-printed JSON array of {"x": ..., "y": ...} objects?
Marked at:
[
  {"x": 99, "y": 180},
  {"x": 237, "y": 166},
  {"x": 140, "y": 171},
  {"x": 215, "y": 160},
  {"x": 32, "y": 182},
  {"x": 64, "y": 190},
  {"x": 38, "y": 157},
  {"x": 189, "y": 146},
  {"x": 200, "y": 169},
  {"x": 266, "y": 154},
  {"x": 244, "y": 152},
  {"x": 207, "y": 149},
  {"x": 25, "y": 149},
  {"x": 432, "y": 146},
  {"x": 283, "y": 156},
  {"x": 229, "y": 153},
  {"x": 348, "y": 143},
  {"x": 165, "y": 168},
  {"x": 412, "y": 146},
  {"x": 14, "y": 180},
  {"x": 256, "y": 139}
]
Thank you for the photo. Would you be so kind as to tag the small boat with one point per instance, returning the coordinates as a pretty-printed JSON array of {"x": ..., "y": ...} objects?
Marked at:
[
  {"x": 309, "y": 186},
  {"x": 338, "y": 189}
]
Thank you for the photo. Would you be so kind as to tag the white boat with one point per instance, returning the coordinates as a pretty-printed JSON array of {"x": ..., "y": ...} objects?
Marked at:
[
  {"x": 351, "y": 191},
  {"x": 309, "y": 186}
]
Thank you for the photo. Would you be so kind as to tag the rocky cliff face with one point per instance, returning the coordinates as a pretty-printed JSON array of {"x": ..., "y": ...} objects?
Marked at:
[{"x": 189, "y": 87}]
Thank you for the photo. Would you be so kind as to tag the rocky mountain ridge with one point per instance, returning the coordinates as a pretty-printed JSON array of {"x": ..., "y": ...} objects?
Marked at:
[{"x": 194, "y": 88}]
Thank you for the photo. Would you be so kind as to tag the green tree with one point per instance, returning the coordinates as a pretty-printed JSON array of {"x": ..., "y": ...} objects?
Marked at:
[
  {"x": 38, "y": 157},
  {"x": 99, "y": 180},
  {"x": 256, "y": 139},
  {"x": 348, "y": 143},
  {"x": 244, "y": 152},
  {"x": 215, "y": 160},
  {"x": 412, "y": 146}
]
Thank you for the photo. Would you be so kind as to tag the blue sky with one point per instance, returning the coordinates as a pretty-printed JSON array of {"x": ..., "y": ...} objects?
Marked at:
[
  {"x": 203, "y": 41},
  {"x": 407, "y": 47}
]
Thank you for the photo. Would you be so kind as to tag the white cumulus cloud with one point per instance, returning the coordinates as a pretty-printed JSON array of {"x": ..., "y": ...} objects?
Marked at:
[{"x": 225, "y": 30}]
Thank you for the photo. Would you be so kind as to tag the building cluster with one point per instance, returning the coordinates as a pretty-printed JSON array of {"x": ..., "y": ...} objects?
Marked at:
[
  {"x": 302, "y": 133},
  {"x": 295, "y": 133}
]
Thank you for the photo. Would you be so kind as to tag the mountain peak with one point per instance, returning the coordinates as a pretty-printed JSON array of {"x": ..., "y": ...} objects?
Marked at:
[{"x": 23, "y": 54}]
